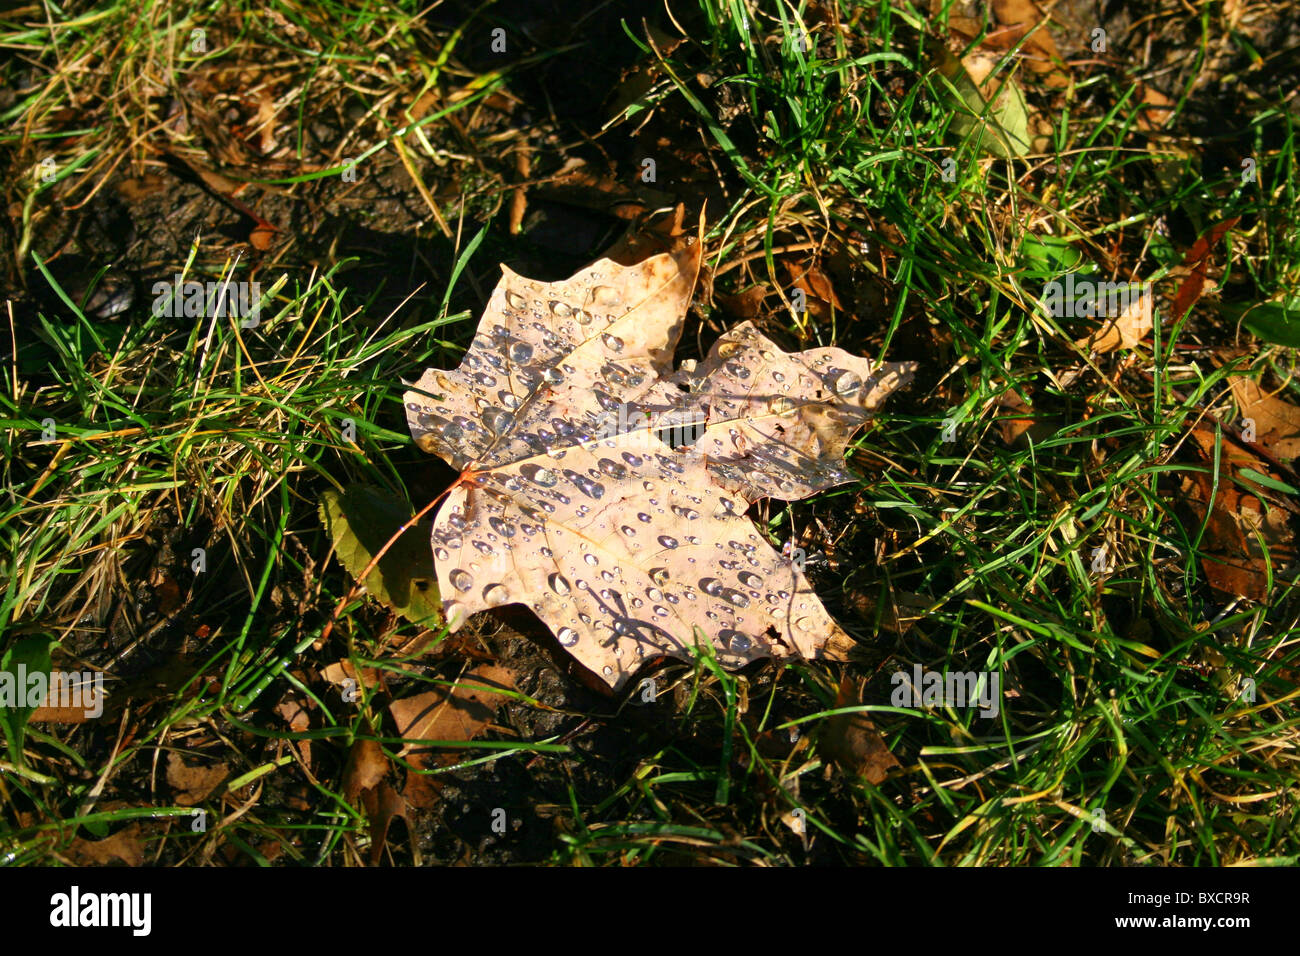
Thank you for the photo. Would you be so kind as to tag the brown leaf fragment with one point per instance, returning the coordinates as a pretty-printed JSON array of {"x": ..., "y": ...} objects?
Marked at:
[
  {"x": 607, "y": 492},
  {"x": 819, "y": 293},
  {"x": 126, "y": 847},
  {"x": 292, "y": 709},
  {"x": 1198, "y": 259},
  {"x": 345, "y": 674},
  {"x": 1019, "y": 17},
  {"x": 1276, "y": 421},
  {"x": 193, "y": 784},
  {"x": 1240, "y": 522},
  {"x": 852, "y": 741},
  {"x": 366, "y": 767},
  {"x": 1133, "y": 320},
  {"x": 457, "y": 713},
  {"x": 1156, "y": 109},
  {"x": 381, "y": 804}
]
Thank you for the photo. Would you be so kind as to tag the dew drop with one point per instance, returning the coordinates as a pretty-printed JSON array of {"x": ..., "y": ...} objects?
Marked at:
[
  {"x": 559, "y": 584},
  {"x": 612, "y": 342},
  {"x": 515, "y": 300},
  {"x": 690, "y": 514},
  {"x": 441, "y": 554},
  {"x": 846, "y": 383},
  {"x": 461, "y": 579},
  {"x": 520, "y": 352},
  {"x": 735, "y": 597},
  {"x": 484, "y": 548},
  {"x": 660, "y": 610},
  {"x": 738, "y": 642},
  {"x": 667, "y": 541},
  {"x": 567, "y": 636},
  {"x": 591, "y": 559},
  {"x": 498, "y": 419},
  {"x": 502, "y": 527},
  {"x": 612, "y": 468},
  {"x": 496, "y": 594},
  {"x": 750, "y": 580},
  {"x": 539, "y": 475}
]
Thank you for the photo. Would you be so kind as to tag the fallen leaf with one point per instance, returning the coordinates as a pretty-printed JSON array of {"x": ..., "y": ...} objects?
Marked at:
[
  {"x": 1127, "y": 329},
  {"x": 608, "y": 493},
  {"x": 1198, "y": 259},
  {"x": 126, "y": 846},
  {"x": 1276, "y": 421},
  {"x": 366, "y": 767},
  {"x": 852, "y": 741},
  {"x": 994, "y": 113},
  {"x": 360, "y": 522},
  {"x": 819, "y": 294},
  {"x": 1237, "y": 519},
  {"x": 1156, "y": 109},
  {"x": 193, "y": 785},
  {"x": 292, "y": 709},
  {"x": 1018, "y": 425},
  {"x": 1040, "y": 51},
  {"x": 457, "y": 713},
  {"x": 897, "y": 614},
  {"x": 345, "y": 674},
  {"x": 745, "y": 305},
  {"x": 382, "y": 804}
]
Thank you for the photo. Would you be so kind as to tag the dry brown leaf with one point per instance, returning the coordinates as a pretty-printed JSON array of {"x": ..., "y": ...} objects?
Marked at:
[
  {"x": 365, "y": 769},
  {"x": 852, "y": 741},
  {"x": 570, "y": 501},
  {"x": 1198, "y": 261},
  {"x": 1127, "y": 329},
  {"x": 125, "y": 846},
  {"x": 193, "y": 785},
  {"x": 292, "y": 709},
  {"x": 1277, "y": 421},
  {"x": 1040, "y": 52},
  {"x": 819, "y": 294},
  {"x": 1156, "y": 109},
  {"x": 457, "y": 713},
  {"x": 344, "y": 674},
  {"x": 1233, "y": 558},
  {"x": 381, "y": 804}
]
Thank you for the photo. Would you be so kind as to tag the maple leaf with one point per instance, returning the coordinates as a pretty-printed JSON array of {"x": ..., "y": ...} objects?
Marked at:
[{"x": 607, "y": 492}]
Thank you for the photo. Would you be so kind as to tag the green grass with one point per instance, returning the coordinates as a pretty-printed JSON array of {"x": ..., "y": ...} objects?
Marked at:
[{"x": 1127, "y": 684}]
